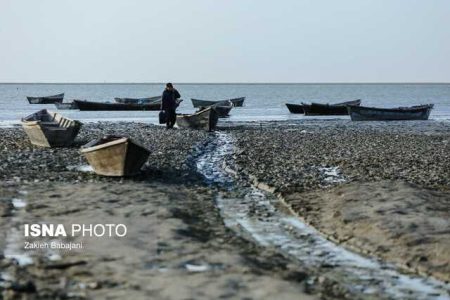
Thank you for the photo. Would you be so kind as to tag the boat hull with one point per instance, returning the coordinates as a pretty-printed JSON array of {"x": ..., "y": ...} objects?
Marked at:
[
  {"x": 46, "y": 99},
  {"x": 119, "y": 157},
  {"x": 361, "y": 113},
  {"x": 138, "y": 100},
  {"x": 47, "y": 129},
  {"x": 68, "y": 105},
  {"x": 295, "y": 108},
  {"x": 206, "y": 119},
  {"x": 237, "y": 102},
  {"x": 338, "y": 109},
  {"x": 102, "y": 106}
]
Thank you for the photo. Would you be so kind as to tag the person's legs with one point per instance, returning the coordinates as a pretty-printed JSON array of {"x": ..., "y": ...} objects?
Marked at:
[
  {"x": 171, "y": 118},
  {"x": 174, "y": 117}
]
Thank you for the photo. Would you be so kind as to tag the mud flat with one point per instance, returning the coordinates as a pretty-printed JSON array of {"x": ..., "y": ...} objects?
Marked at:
[
  {"x": 379, "y": 188},
  {"x": 177, "y": 246}
]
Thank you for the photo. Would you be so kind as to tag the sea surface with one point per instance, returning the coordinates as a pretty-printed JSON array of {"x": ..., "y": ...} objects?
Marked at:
[{"x": 263, "y": 101}]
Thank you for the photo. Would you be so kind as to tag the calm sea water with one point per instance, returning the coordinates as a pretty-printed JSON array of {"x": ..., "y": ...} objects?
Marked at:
[{"x": 263, "y": 101}]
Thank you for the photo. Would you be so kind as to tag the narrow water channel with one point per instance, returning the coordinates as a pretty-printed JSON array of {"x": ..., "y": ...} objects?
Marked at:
[{"x": 259, "y": 216}]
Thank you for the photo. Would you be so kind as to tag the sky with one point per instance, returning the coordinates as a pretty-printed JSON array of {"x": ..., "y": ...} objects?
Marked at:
[{"x": 224, "y": 41}]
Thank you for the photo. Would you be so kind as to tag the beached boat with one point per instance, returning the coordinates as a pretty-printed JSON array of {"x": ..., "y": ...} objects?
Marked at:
[
  {"x": 94, "y": 106},
  {"x": 115, "y": 156},
  {"x": 318, "y": 109},
  {"x": 205, "y": 103},
  {"x": 362, "y": 113},
  {"x": 66, "y": 105},
  {"x": 295, "y": 108},
  {"x": 205, "y": 119},
  {"x": 46, "y": 99},
  {"x": 138, "y": 100},
  {"x": 222, "y": 109},
  {"x": 49, "y": 129}
]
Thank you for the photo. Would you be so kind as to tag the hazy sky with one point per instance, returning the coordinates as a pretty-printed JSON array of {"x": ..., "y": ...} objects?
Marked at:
[{"x": 224, "y": 41}]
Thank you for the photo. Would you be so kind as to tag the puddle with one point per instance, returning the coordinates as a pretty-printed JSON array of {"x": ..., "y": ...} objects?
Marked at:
[
  {"x": 82, "y": 168},
  {"x": 255, "y": 216},
  {"x": 332, "y": 174}
]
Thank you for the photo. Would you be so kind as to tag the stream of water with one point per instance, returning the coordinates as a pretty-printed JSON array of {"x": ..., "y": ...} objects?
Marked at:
[{"x": 258, "y": 215}]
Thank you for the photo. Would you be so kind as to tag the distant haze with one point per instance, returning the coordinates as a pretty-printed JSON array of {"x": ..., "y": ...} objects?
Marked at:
[{"x": 225, "y": 41}]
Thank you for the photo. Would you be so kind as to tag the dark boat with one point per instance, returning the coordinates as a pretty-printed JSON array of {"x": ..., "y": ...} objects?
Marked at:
[
  {"x": 337, "y": 109},
  {"x": 138, "y": 100},
  {"x": 205, "y": 103},
  {"x": 222, "y": 109},
  {"x": 66, "y": 105},
  {"x": 362, "y": 113},
  {"x": 115, "y": 156},
  {"x": 295, "y": 108},
  {"x": 46, "y": 99},
  {"x": 206, "y": 119},
  {"x": 91, "y": 105},
  {"x": 49, "y": 129}
]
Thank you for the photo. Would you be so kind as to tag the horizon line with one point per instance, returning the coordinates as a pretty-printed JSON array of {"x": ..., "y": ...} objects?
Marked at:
[{"x": 232, "y": 83}]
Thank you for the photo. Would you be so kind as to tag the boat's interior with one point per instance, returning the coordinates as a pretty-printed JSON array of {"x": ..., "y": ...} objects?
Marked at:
[{"x": 49, "y": 119}]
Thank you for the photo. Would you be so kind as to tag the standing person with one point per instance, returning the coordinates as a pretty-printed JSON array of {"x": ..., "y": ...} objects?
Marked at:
[{"x": 169, "y": 104}]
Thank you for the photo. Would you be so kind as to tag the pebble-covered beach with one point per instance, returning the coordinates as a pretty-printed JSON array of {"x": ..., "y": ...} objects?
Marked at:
[{"x": 378, "y": 188}]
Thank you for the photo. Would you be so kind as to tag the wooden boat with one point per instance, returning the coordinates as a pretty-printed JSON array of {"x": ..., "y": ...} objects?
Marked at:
[
  {"x": 295, "y": 108},
  {"x": 46, "y": 99},
  {"x": 49, "y": 129},
  {"x": 138, "y": 100},
  {"x": 318, "y": 109},
  {"x": 362, "y": 113},
  {"x": 66, "y": 105},
  {"x": 115, "y": 156},
  {"x": 205, "y": 119},
  {"x": 91, "y": 105},
  {"x": 205, "y": 103},
  {"x": 222, "y": 109}
]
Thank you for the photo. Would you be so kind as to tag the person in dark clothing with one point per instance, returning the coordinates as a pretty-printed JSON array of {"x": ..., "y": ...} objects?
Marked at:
[{"x": 170, "y": 104}]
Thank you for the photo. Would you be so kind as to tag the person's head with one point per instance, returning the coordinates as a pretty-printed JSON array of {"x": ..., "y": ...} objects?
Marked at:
[{"x": 169, "y": 86}]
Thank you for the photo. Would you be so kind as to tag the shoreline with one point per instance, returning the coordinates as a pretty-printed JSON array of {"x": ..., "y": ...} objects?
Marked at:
[{"x": 53, "y": 174}]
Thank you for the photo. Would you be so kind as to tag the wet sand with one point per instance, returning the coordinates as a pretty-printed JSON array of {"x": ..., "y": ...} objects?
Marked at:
[{"x": 379, "y": 188}]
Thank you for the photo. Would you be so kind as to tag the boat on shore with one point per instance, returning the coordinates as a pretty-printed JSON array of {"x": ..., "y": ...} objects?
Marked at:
[
  {"x": 222, "y": 109},
  {"x": 108, "y": 106},
  {"x": 115, "y": 156},
  {"x": 138, "y": 100},
  {"x": 205, "y": 119},
  {"x": 295, "y": 108},
  {"x": 238, "y": 102},
  {"x": 46, "y": 99},
  {"x": 49, "y": 129},
  {"x": 362, "y": 113},
  {"x": 66, "y": 105},
  {"x": 337, "y": 109}
]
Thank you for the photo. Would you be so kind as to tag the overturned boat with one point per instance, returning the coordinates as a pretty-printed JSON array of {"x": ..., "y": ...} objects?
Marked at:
[
  {"x": 138, "y": 100},
  {"x": 337, "y": 109},
  {"x": 295, "y": 108},
  {"x": 205, "y": 103},
  {"x": 205, "y": 119},
  {"x": 115, "y": 156},
  {"x": 46, "y": 99},
  {"x": 362, "y": 113},
  {"x": 49, "y": 129}
]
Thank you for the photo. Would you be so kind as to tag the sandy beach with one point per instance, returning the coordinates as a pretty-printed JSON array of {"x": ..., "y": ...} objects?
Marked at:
[{"x": 379, "y": 190}]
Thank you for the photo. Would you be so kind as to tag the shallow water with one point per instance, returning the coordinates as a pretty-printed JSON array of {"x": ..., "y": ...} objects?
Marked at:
[
  {"x": 263, "y": 101},
  {"x": 257, "y": 215}
]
